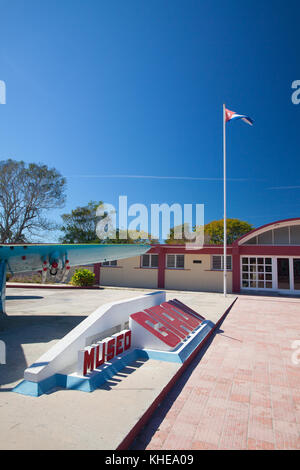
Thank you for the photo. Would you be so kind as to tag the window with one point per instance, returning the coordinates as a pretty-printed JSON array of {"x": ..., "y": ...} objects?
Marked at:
[
  {"x": 217, "y": 262},
  {"x": 257, "y": 273},
  {"x": 175, "y": 261},
  {"x": 149, "y": 261},
  {"x": 110, "y": 263}
]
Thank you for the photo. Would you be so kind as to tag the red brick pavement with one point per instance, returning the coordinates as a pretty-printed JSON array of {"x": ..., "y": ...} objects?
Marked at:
[{"x": 242, "y": 391}]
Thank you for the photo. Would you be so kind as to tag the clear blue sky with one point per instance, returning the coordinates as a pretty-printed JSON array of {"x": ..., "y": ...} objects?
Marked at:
[{"x": 102, "y": 88}]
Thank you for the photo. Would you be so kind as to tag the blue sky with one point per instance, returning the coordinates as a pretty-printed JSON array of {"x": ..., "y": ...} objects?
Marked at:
[{"x": 99, "y": 89}]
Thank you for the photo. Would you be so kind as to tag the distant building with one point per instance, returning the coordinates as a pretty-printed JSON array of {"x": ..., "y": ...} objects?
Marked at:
[{"x": 265, "y": 259}]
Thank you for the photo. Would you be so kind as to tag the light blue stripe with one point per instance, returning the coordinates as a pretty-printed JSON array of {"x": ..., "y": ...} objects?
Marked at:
[{"x": 97, "y": 378}]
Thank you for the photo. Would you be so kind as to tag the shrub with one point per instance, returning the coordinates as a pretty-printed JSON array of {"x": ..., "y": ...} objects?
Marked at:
[{"x": 83, "y": 278}]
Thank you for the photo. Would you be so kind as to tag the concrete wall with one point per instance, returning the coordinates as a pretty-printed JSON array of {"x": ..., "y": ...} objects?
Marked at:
[
  {"x": 194, "y": 276},
  {"x": 128, "y": 273},
  {"x": 197, "y": 277}
]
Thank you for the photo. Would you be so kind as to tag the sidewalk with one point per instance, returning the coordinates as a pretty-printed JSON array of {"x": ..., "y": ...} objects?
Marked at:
[{"x": 242, "y": 391}]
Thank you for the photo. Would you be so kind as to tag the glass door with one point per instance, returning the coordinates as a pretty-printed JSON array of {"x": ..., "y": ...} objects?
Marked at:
[
  {"x": 296, "y": 268},
  {"x": 283, "y": 273}
]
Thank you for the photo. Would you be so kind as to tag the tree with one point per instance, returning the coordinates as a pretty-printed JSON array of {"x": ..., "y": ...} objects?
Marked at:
[
  {"x": 171, "y": 240},
  {"x": 80, "y": 225},
  {"x": 27, "y": 192},
  {"x": 213, "y": 232},
  {"x": 133, "y": 237},
  {"x": 235, "y": 229}
]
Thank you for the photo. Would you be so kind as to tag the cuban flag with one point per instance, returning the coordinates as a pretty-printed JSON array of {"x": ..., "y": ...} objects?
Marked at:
[{"x": 231, "y": 115}]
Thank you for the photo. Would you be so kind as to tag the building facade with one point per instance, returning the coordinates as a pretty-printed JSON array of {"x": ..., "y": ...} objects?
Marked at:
[{"x": 265, "y": 259}]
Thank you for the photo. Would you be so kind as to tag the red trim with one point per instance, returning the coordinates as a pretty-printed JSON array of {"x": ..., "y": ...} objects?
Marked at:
[
  {"x": 236, "y": 275},
  {"x": 266, "y": 250},
  {"x": 180, "y": 249},
  {"x": 97, "y": 267},
  {"x": 161, "y": 269}
]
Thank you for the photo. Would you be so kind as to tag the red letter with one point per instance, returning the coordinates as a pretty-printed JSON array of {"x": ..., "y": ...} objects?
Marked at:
[
  {"x": 127, "y": 340},
  {"x": 110, "y": 349},
  {"x": 144, "y": 319},
  {"x": 98, "y": 361},
  {"x": 166, "y": 319},
  {"x": 188, "y": 319},
  {"x": 88, "y": 362},
  {"x": 119, "y": 344},
  {"x": 176, "y": 303}
]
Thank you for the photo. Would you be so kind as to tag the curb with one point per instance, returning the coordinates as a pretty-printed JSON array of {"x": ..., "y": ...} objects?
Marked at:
[
  {"x": 127, "y": 441},
  {"x": 51, "y": 286}
]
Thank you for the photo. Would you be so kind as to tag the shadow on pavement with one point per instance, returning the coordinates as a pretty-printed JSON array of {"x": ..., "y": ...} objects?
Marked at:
[
  {"x": 23, "y": 297},
  {"x": 20, "y": 330}
]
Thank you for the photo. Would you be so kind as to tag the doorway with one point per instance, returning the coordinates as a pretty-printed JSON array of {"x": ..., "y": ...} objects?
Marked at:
[
  {"x": 283, "y": 273},
  {"x": 296, "y": 272}
]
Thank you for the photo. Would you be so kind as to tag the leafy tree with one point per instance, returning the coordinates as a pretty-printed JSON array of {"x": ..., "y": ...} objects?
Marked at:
[
  {"x": 27, "y": 192},
  {"x": 235, "y": 228},
  {"x": 171, "y": 240},
  {"x": 80, "y": 225},
  {"x": 214, "y": 231},
  {"x": 131, "y": 238}
]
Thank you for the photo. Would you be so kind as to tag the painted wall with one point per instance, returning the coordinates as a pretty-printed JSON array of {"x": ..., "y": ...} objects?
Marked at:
[
  {"x": 197, "y": 277},
  {"x": 128, "y": 273}
]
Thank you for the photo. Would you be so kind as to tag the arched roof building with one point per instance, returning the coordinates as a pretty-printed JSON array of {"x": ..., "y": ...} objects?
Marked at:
[
  {"x": 265, "y": 259},
  {"x": 268, "y": 258}
]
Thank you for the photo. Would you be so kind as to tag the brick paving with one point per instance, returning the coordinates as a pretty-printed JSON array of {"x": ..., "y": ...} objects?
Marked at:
[{"x": 242, "y": 391}]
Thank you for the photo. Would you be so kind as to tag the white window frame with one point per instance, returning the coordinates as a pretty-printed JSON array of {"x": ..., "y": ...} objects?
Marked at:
[
  {"x": 222, "y": 263},
  {"x": 273, "y": 272},
  {"x": 175, "y": 261},
  {"x": 107, "y": 264},
  {"x": 150, "y": 261}
]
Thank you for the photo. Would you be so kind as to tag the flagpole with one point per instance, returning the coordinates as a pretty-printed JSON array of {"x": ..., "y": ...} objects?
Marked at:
[{"x": 225, "y": 224}]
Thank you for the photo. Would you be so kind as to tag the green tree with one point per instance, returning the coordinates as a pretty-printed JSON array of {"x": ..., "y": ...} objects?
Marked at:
[
  {"x": 27, "y": 193},
  {"x": 131, "y": 238},
  {"x": 79, "y": 226},
  {"x": 173, "y": 240},
  {"x": 235, "y": 229},
  {"x": 213, "y": 232}
]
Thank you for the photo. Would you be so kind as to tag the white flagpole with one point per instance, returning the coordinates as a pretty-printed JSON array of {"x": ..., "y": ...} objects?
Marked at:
[{"x": 225, "y": 225}]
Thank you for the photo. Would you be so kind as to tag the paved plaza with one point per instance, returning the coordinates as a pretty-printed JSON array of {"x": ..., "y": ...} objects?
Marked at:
[
  {"x": 242, "y": 391},
  {"x": 36, "y": 319}
]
